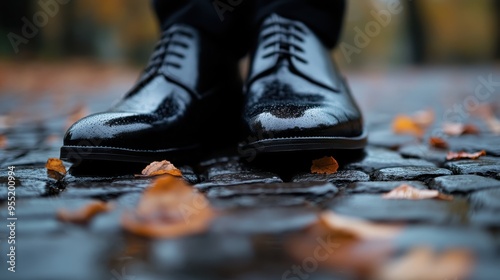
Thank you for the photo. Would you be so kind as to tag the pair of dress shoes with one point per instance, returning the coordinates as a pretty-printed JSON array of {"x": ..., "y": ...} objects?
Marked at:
[{"x": 191, "y": 97}]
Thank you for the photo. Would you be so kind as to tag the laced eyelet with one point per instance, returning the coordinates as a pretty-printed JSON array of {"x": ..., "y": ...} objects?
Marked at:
[{"x": 286, "y": 39}]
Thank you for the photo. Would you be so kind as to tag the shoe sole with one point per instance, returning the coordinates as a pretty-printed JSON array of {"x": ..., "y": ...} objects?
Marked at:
[
  {"x": 77, "y": 154},
  {"x": 294, "y": 144}
]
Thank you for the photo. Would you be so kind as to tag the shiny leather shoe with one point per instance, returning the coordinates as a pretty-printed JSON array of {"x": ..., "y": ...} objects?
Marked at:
[
  {"x": 174, "y": 110},
  {"x": 295, "y": 97}
]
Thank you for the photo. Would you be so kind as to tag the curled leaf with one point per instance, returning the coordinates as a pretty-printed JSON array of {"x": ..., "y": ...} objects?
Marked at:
[
  {"x": 83, "y": 215},
  {"x": 438, "y": 143},
  {"x": 160, "y": 168},
  {"x": 55, "y": 168},
  {"x": 457, "y": 129},
  {"x": 464, "y": 155},
  {"x": 408, "y": 192},
  {"x": 169, "y": 208},
  {"x": 324, "y": 165}
]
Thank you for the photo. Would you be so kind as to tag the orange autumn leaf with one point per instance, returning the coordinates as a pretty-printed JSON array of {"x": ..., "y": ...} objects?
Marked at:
[
  {"x": 83, "y": 215},
  {"x": 415, "y": 124},
  {"x": 464, "y": 155},
  {"x": 169, "y": 208},
  {"x": 55, "y": 168},
  {"x": 439, "y": 143},
  {"x": 408, "y": 192},
  {"x": 324, "y": 165},
  {"x": 424, "y": 263},
  {"x": 403, "y": 124},
  {"x": 358, "y": 228},
  {"x": 457, "y": 129},
  {"x": 160, "y": 168}
]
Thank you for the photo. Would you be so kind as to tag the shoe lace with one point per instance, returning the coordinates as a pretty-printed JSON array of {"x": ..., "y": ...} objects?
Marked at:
[
  {"x": 287, "y": 37},
  {"x": 164, "y": 54}
]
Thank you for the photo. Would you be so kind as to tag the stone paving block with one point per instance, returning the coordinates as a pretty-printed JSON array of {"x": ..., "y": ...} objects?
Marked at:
[
  {"x": 235, "y": 173},
  {"x": 267, "y": 220},
  {"x": 259, "y": 201},
  {"x": 70, "y": 255},
  {"x": 219, "y": 251},
  {"x": 421, "y": 151},
  {"x": 339, "y": 177},
  {"x": 297, "y": 188},
  {"x": 411, "y": 173},
  {"x": 381, "y": 186},
  {"x": 474, "y": 143},
  {"x": 35, "y": 157},
  {"x": 476, "y": 240},
  {"x": 381, "y": 158},
  {"x": 487, "y": 199},
  {"x": 462, "y": 183},
  {"x": 104, "y": 188},
  {"x": 24, "y": 188},
  {"x": 485, "y": 219},
  {"x": 47, "y": 207},
  {"x": 484, "y": 166},
  {"x": 374, "y": 207}
]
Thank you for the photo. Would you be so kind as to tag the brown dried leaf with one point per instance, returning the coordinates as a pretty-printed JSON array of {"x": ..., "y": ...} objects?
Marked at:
[
  {"x": 85, "y": 214},
  {"x": 324, "y": 165},
  {"x": 457, "y": 129},
  {"x": 424, "y": 263},
  {"x": 169, "y": 208},
  {"x": 160, "y": 168},
  {"x": 358, "y": 228},
  {"x": 464, "y": 155},
  {"x": 408, "y": 192},
  {"x": 55, "y": 168},
  {"x": 439, "y": 143}
]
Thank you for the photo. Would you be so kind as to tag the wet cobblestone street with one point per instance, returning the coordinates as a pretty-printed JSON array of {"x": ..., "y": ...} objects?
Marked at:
[{"x": 270, "y": 209}]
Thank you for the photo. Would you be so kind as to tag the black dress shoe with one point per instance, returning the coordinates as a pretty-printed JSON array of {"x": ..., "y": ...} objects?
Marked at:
[
  {"x": 173, "y": 111},
  {"x": 296, "y": 99}
]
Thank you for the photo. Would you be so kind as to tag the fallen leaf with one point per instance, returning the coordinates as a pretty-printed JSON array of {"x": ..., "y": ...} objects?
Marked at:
[
  {"x": 160, "y": 168},
  {"x": 457, "y": 129},
  {"x": 85, "y": 214},
  {"x": 55, "y": 168},
  {"x": 169, "y": 208},
  {"x": 358, "y": 228},
  {"x": 424, "y": 263},
  {"x": 415, "y": 124},
  {"x": 408, "y": 192},
  {"x": 340, "y": 243},
  {"x": 439, "y": 143},
  {"x": 324, "y": 165},
  {"x": 464, "y": 155},
  {"x": 403, "y": 124},
  {"x": 3, "y": 141}
]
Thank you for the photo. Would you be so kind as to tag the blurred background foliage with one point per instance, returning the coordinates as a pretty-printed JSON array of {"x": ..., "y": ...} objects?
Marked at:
[{"x": 436, "y": 32}]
